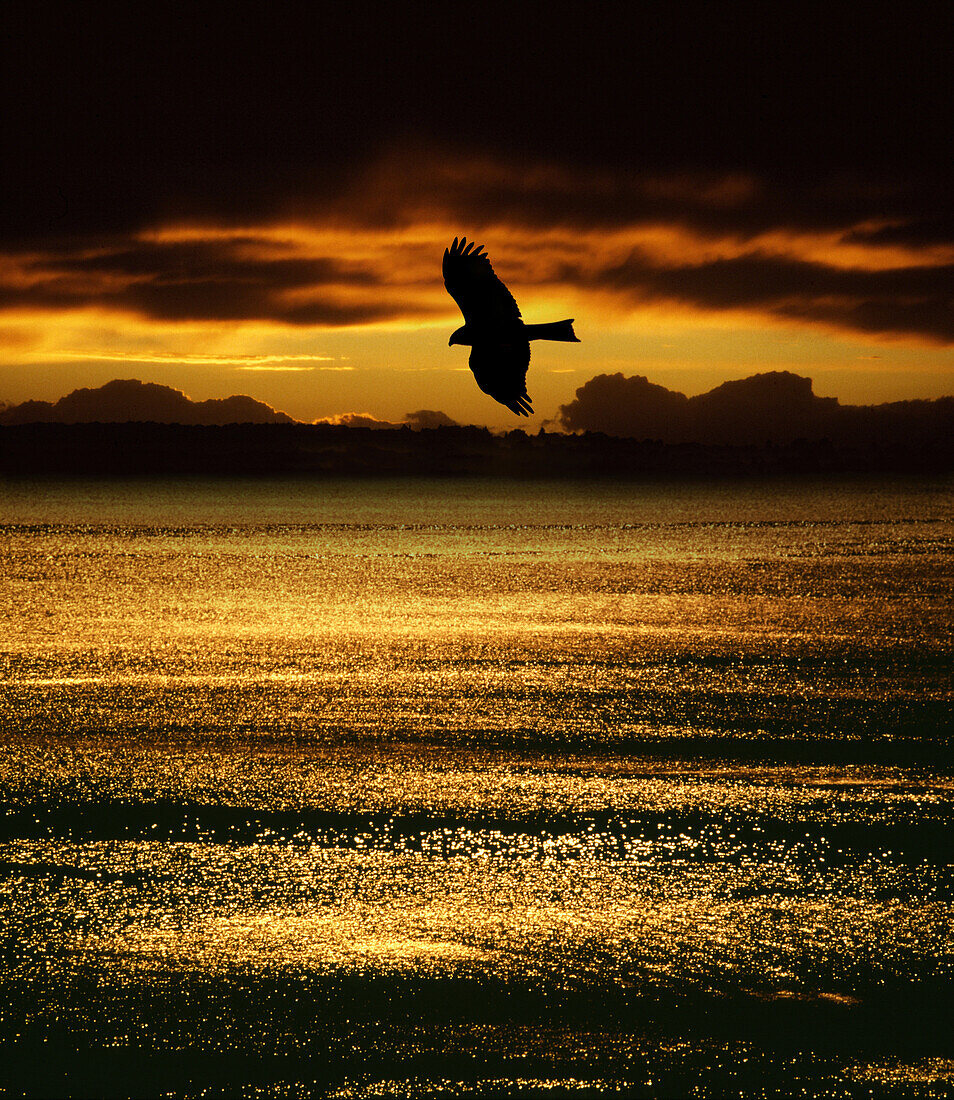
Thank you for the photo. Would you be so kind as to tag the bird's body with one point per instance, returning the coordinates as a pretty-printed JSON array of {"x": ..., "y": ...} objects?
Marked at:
[{"x": 498, "y": 338}]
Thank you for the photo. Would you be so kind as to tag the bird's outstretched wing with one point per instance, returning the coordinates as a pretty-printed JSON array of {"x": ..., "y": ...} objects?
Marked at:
[
  {"x": 471, "y": 282},
  {"x": 501, "y": 372}
]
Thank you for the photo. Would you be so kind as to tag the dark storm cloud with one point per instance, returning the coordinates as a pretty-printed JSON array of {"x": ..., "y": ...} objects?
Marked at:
[
  {"x": 777, "y": 407},
  {"x": 198, "y": 281},
  {"x": 906, "y": 301},
  {"x": 212, "y": 259},
  {"x": 411, "y": 181},
  {"x": 122, "y": 119},
  {"x": 915, "y": 233}
]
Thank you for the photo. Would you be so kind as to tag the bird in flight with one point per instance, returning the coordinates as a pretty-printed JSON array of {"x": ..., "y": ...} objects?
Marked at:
[{"x": 499, "y": 340}]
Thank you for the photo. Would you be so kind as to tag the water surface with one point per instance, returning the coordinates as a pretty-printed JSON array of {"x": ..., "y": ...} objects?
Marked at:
[{"x": 459, "y": 787}]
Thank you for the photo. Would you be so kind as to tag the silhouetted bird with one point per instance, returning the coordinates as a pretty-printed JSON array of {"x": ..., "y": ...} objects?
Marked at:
[{"x": 499, "y": 340}]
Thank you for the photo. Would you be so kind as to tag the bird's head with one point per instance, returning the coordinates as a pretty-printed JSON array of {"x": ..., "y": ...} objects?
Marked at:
[{"x": 461, "y": 336}]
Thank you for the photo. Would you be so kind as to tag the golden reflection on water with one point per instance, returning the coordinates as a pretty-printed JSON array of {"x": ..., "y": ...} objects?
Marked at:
[
  {"x": 405, "y": 777},
  {"x": 335, "y": 940},
  {"x": 608, "y": 751},
  {"x": 520, "y": 909},
  {"x": 928, "y": 1071}
]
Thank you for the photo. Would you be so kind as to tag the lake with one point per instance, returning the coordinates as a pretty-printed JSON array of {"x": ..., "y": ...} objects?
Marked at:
[{"x": 464, "y": 787}]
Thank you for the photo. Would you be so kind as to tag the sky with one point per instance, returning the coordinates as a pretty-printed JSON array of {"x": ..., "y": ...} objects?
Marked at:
[{"x": 258, "y": 204}]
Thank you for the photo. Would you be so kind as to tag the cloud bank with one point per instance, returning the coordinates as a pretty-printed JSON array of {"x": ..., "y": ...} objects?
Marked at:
[
  {"x": 776, "y": 407},
  {"x": 125, "y": 400}
]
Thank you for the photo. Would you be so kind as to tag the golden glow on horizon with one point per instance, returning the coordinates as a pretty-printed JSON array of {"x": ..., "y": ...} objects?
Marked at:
[{"x": 312, "y": 289}]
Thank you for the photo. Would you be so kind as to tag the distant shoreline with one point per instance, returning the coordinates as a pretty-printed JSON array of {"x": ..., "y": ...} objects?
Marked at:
[{"x": 322, "y": 450}]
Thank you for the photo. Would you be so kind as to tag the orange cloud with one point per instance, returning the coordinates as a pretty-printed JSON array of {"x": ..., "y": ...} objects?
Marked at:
[{"x": 705, "y": 244}]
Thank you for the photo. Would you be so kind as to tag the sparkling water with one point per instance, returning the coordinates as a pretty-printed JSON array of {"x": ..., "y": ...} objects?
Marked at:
[{"x": 459, "y": 787}]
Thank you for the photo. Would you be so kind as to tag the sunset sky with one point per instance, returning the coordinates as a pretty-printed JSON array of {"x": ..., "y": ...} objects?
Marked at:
[{"x": 260, "y": 206}]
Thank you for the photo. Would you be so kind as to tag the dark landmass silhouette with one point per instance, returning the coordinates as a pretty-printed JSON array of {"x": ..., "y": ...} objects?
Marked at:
[
  {"x": 328, "y": 450},
  {"x": 126, "y": 399},
  {"x": 776, "y": 407},
  {"x": 770, "y": 424}
]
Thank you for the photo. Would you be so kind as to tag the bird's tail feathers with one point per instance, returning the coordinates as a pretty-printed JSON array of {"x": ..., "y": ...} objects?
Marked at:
[
  {"x": 520, "y": 405},
  {"x": 555, "y": 330}
]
